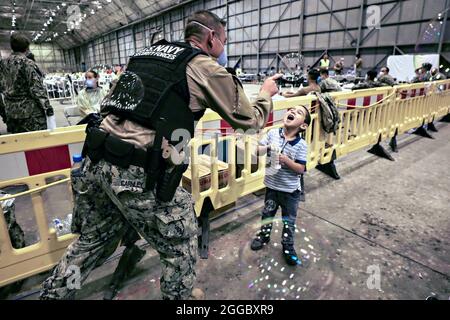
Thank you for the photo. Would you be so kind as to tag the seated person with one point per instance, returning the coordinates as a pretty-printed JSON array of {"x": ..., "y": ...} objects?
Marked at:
[
  {"x": 90, "y": 98},
  {"x": 328, "y": 84},
  {"x": 418, "y": 77},
  {"x": 313, "y": 86},
  {"x": 426, "y": 67},
  {"x": 385, "y": 79},
  {"x": 369, "y": 83},
  {"x": 436, "y": 75}
]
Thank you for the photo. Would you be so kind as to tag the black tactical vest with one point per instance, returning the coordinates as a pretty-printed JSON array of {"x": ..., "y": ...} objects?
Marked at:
[{"x": 154, "y": 91}]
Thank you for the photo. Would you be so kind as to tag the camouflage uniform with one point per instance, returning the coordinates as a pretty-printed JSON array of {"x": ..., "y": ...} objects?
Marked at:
[
  {"x": 438, "y": 76},
  {"x": 330, "y": 85},
  {"x": 386, "y": 80},
  {"x": 26, "y": 101},
  {"x": 108, "y": 199},
  {"x": 368, "y": 84},
  {"x": 15, "y": 232},
  {"x": 112, "y": 198}
]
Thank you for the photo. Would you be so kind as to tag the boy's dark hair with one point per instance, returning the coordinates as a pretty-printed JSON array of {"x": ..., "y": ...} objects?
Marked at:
[
  {"x": 324, "y": 71},
  {"x": 307, "y": 118},
  {"x": 358, "y": 55},
  {"x": 387, "y": 69},
  {"x": 19, "y": 42},
  {"x": 371, "y": 74},
  {"x": 205, "y": 17},
  {"x": 313, "y": 74}
]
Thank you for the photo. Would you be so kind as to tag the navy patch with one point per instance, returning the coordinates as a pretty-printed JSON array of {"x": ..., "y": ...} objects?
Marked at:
[{"x": 166, "y": 51}]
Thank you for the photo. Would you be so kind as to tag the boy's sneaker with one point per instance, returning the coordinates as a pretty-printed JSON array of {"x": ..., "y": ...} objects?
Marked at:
[
  {"x": 259, "y": 242},
  {"x": 290, "y": 256}
]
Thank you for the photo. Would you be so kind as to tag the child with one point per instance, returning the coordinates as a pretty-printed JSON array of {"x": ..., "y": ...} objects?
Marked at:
[{"x": 283, "y": 185}]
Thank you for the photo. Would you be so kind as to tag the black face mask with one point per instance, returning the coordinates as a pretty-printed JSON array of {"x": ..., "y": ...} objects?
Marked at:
[{"x": 30, "y": 55}]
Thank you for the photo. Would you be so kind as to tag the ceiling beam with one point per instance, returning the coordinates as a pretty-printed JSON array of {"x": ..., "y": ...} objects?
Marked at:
[{"x": 134, "y": 7}]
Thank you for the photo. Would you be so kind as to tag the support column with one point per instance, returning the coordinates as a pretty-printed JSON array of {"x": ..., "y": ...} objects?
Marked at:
[
  {"x": 258, "y": 56},
  {"x": 444, "y": 26}
]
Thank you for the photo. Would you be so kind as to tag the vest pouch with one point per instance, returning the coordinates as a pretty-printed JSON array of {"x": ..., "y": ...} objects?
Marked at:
[
  {"x": 118, "y": 152},
  {"x": 94, "y": 144}
]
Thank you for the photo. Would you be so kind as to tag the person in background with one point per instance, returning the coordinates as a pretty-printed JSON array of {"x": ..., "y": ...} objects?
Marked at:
[
  {"x": 324, "y": 62},
  {"x": 90, "y": 98},
  {"x": 436, "y": 75},
  {"x": 328, "y": 84},
  {"x": 426, "y": 67},
  {"x": 418, "y": 77},
  {"x": 358, "y": 65},
  {"x": 26, "y": 104},
  {"x": 385, "y": 79},
  {"x": 339, "y": 67},
  {"x": 369, "y": 82},
  {"x": 313, "y": 86}
]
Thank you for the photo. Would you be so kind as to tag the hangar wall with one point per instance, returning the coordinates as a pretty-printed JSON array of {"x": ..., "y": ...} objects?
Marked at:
[{"x": 261, "y": 32}]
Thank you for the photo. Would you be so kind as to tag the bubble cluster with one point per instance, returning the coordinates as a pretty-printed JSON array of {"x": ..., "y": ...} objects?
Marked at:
[
  {"x": 433, "y": 31},
  {"x": 272, "y": 278}
]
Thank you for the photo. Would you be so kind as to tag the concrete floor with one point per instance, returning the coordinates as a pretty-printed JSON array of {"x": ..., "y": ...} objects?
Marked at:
[{"x": 388, "y": 215}]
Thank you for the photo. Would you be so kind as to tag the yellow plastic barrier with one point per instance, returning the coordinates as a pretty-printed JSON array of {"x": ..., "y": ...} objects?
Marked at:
[
  {"x": 17, "y": 264},
  {"x": 383, "y": 113}
]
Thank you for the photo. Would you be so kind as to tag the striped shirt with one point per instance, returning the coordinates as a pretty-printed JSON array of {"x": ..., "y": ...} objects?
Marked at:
[{"x": 284, "y": 179}]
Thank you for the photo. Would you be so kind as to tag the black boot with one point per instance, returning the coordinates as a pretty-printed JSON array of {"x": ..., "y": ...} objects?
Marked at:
[
  {"x": 290, "y": 256},
  {"x": 262, "y": 238},
  {"x": 130, "y": 258},
  {"x": 259, "y": 242}
]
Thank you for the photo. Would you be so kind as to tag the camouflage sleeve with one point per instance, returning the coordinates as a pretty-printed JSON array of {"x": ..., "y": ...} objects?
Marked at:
[{"x": 37, "y": 89}]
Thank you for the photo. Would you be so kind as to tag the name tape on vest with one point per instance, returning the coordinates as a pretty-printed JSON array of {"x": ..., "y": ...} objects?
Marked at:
[{"x": 168, "y": 52}]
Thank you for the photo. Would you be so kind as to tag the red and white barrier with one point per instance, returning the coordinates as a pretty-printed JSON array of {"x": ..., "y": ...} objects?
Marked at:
[
  {"x": 30, "y": 163},
  {"x": 361, "y": 101},
  {"x": 412, "y": 93}
]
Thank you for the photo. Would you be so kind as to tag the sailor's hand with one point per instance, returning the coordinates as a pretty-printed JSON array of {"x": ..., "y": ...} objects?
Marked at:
[{"x": 270, "y": 85}]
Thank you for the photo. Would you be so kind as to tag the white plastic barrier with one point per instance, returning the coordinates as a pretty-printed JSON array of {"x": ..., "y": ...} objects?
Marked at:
[
  {"x": 105, "y": 80},
  {"x": 59, "y": 89},
  {"x": 78, "y": 85}
]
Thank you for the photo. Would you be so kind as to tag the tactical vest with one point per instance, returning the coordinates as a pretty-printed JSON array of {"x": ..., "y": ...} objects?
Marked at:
[{"x": 154, "y": 91}]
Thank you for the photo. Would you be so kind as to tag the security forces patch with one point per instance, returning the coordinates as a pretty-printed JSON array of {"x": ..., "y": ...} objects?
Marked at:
[{"x": 165, "y": 51}]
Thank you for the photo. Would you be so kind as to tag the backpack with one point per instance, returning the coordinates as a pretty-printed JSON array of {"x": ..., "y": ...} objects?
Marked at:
[{"x": 329, "y": 113}]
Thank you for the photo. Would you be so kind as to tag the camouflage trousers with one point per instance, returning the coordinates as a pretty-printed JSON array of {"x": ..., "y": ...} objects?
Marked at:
[
  {"x": 26, "y": 125},
  {"x": 15, "y": 231},
  {"x": 109, "y": 199}
]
